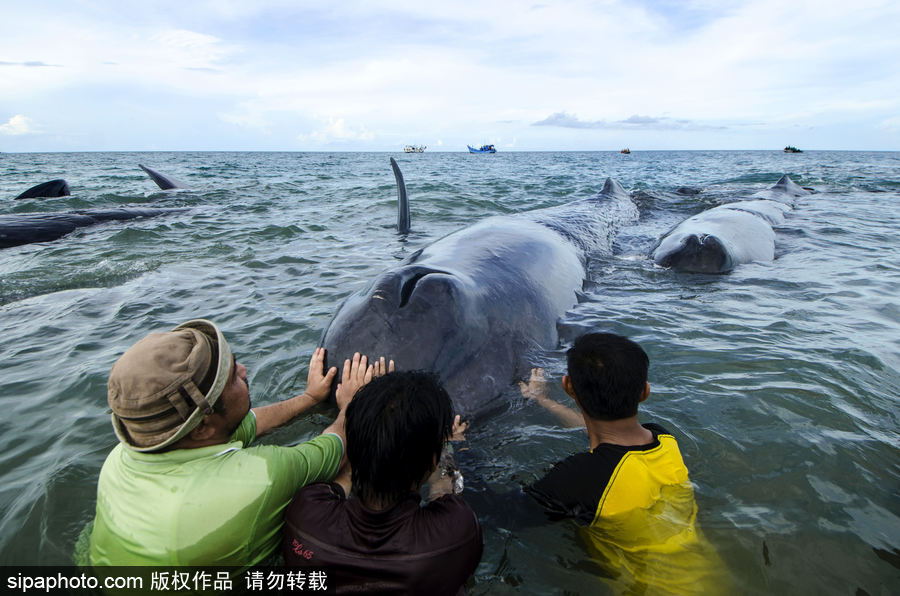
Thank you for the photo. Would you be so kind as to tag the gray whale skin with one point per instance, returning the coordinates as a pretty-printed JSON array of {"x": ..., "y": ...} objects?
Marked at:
[
  {"x": 472, "y": 305},
  {"x": 719, "y": 239}
]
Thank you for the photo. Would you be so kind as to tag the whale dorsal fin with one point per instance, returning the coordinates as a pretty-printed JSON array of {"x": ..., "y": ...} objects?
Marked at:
[
  {"x": 611, "y": 187},
  {"x": 163, "y": 181},
  {"x": 788, "y": 186},
  {"x": 402, "y": 199}
]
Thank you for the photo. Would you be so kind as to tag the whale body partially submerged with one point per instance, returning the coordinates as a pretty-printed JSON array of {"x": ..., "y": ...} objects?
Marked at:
[
  {"x": 53, "y": 188},
  {"x": 719, "y": 239},
  {"x": 472, "y": 305},
  {"x": 27, "y": 228}
]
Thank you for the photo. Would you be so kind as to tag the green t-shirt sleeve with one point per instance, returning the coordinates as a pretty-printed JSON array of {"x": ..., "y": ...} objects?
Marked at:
[
  {"x": 316, "y": 460},
  {"x": 246, "y": 432},
  {"x": 289, "y": 469}
]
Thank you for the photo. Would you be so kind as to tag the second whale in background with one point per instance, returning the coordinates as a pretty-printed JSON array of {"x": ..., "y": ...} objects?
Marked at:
[
  {"x": 719, "y": 239},
  {"x": 53, "y": 188},
  {"x": 26, "y": 228}
]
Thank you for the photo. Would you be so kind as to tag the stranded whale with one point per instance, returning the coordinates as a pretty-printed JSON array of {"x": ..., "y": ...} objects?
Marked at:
[
  {"x": 718, "y": 239},
  {"x": 472, "y": 305},
  {"x": 26, "y": 228},
  {"x": 53, "y": 188}
]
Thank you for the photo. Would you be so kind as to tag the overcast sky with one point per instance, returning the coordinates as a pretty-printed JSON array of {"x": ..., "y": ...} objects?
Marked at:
[{"x": 80, "y": 75}]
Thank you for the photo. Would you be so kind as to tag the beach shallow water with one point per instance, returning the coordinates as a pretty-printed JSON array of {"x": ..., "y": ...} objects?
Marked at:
[{"x": 780, "y": 380}]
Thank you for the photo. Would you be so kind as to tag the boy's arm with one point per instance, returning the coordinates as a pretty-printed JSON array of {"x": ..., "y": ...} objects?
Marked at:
[
  {"x": 443, "y": 479},
  {"x": 536, "y": 390}
]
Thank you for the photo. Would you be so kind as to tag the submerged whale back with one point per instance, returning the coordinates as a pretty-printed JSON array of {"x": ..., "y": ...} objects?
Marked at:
[
  {"x": 590, "y": 224},
  {"x": 27, "y": 228}
]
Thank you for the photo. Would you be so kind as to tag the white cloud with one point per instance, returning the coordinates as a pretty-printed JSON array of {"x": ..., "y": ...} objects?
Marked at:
[
  {"x": 18, "y": 125},
  {"x": 633, "y": 122},
  {"x": 380, "y": 74},
  {"x": 890, "y": 124},
  {"x": 186, "y": 49},
  {"x": 336, "y": 130}
]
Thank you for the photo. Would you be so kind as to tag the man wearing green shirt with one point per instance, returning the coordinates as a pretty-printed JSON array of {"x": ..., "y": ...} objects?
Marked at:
[{"x": 184, "y": 486}]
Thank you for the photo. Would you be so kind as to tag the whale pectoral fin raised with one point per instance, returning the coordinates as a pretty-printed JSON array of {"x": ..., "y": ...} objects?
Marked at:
[{"x": 402, "y": 199}]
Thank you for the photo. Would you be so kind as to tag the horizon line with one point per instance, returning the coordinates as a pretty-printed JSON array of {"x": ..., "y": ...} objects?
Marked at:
[{"x": 422, "y": 153}]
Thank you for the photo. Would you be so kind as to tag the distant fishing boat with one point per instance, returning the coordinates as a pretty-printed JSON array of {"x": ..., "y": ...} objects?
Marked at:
[
  {"x": 792, "y": 149},
  {"x": 414, "y": 149},
  {"x": 482, "y": 149},
  {"x": 626, "y": 151}
]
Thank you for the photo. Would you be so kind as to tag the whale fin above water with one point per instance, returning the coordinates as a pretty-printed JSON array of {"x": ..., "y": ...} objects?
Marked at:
[
  {"x": 786, "y": 185},
  {"x": 53, "y": 188},
  {"x": 163, "y": 181},
  {"x": 403, "y": 222},
  {"x": 611, "y": 187},
  {"x": 784, "y": 191}
]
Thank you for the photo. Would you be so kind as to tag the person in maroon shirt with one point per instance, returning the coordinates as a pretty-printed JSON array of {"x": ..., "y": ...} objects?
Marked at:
[{"x": 382, "y": 538}]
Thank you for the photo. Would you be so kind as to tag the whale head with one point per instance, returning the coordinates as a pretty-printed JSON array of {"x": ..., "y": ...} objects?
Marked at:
[
  {"x": 698, "y": 253},
  {"x": 424, "y": 318}
]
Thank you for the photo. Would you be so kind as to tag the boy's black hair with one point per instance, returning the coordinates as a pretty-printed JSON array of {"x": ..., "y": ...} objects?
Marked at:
[
  {"x": 396, "y": 427},
  {"x": 608, "y": 374}
]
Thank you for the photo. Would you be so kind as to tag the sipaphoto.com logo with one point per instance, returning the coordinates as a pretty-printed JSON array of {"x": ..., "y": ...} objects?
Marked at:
[{"x": 71, "y": 581}]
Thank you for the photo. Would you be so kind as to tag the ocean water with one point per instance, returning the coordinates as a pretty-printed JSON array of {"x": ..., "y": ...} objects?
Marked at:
[{"x": 779, "y": 379}]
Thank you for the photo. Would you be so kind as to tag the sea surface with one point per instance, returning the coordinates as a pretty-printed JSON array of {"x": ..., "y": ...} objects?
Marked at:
[{"x": 780, "y": 380}]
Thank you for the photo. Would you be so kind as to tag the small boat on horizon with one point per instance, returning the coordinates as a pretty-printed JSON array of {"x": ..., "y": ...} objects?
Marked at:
[
  {"x": 482, "y": 149},
  {"x": 792, "y": 149},
  {"x": 414, "y": 149},
  {"x": 626, "y": 151}
]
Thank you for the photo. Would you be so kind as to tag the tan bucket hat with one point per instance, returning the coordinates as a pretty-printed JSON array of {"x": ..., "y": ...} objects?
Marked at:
[{"x": 153, "y": 387}]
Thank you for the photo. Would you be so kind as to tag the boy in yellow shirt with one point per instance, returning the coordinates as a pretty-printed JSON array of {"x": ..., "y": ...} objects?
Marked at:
[{"x": 631, "y": 491}]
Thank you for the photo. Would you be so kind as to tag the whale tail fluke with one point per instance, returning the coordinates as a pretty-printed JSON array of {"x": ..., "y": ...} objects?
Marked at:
[
  {"x": 163, "y": 181},
  {"x": 403, "y": 222}
]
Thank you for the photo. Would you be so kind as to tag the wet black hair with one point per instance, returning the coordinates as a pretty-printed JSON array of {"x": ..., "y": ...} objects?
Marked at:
[
  {"x": 608, "y": 374},
  {"x": 396, "y": 427}
]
